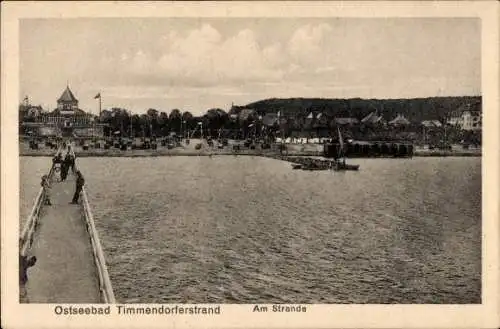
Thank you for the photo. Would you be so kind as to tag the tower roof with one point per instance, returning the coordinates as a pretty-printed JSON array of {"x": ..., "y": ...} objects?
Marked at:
[{"x": 67, "y": 96}]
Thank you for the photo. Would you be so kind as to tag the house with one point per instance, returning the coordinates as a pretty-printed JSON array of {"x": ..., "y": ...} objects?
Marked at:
[
  {"x": 399, "y": 120},
  {"x": 346, "y": 121},
  {"x": 270, "y": 119},
  {"x": 467, "y": 117},
  {"x": 372, "y": 118},
  {"x": 34, "y": 111},
  {"x": 472, "y": 120},
  {"x": 431, "y": 124},
  {"x": 455, "y": 118},
  {"x": 245, "y": 113}
]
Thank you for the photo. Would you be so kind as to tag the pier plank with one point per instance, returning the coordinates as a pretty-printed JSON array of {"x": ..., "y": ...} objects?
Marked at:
[{"x": 65, "y": 271}]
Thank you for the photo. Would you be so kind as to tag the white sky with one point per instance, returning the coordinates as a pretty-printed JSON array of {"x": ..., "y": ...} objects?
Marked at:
[{"x": 199, "y": 63}]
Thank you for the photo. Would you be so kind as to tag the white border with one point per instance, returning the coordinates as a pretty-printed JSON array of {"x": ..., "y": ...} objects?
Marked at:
[{"x": 240, "y": 316}]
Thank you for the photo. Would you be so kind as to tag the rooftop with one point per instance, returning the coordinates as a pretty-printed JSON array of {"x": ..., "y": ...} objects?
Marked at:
[{"x": 67, "y": 96}]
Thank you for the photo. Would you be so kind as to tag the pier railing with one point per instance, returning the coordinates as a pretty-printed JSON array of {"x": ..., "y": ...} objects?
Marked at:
[
  {"x": 105, "y": 287},
  {"x": 28, "y": 232}
]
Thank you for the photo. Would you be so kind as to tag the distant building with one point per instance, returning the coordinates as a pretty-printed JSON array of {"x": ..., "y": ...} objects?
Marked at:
[
  {"x": 245, "y": 113},
  {"x": 431, "y": 123},
  {"x": 472, "y": 120},
  {"x": 467, "y": 117},
  {"x": 67, "y": 102},
  {"x": 270, "y": 119},
  {"x": 346, "y": 121},
  {"x": 372, "y": 118},
  {"x": 321, "y": 120},
  {"x": 399, "y": 120},
  {"x": 66, "y": 120},
  {"x": 34, "y": 111}
]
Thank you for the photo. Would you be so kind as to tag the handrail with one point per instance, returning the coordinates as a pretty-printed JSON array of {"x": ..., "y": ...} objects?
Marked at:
[
  {"x": 105, "y": 286},
  {"x": 29, "y": 228},
  {"x": 104, "y": 280}
]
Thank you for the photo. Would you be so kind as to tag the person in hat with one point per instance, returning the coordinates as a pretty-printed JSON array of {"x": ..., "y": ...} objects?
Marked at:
[
  {"x": 46, "y": 187},
  {"x": 57, "y": 163},
  {"x": 25, "y": 263},
  {"x": 65, "y": 166},
  {"x": 80, "y": 181}
]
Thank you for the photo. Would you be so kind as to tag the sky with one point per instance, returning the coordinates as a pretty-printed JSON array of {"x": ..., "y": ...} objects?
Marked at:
[{"x": 195, "y": 64}]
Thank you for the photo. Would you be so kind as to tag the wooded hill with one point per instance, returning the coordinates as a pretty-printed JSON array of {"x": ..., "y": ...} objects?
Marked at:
[{"x": 415, "y": 110}]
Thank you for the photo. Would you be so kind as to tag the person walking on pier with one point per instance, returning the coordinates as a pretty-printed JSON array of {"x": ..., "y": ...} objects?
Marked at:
[
  {"x": 80, "y": 181},
  {"x": 72, "y": 163},
  {"x": 65, "y": 166},
  {"x": 46, "y": 187},
  {"x": 58, "y": 158},
  {"x": 57, "y": 163}
]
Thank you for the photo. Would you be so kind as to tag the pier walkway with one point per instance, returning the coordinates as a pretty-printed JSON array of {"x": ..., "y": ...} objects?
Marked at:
[
  {"x": 65, "y": 270},
  {"x": 70, "y": 265}
]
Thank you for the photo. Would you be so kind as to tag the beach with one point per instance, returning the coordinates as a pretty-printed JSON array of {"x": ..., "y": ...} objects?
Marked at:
[{"x": 190, "y": 150}]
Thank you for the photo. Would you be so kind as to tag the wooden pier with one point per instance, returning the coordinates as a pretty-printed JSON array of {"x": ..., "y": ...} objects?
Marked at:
[{"x": 70, "y": 266}]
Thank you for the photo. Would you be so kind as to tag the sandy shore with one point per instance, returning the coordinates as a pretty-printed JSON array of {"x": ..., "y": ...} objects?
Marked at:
[
  {"x": 424, "y": 152},
  {"x": 215, "y": 152},
  {"x": 163, "y": 152},
  {"x": 189, "y": 150}
]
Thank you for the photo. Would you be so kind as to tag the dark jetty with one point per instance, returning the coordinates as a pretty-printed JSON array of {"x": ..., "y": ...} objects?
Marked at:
[{"x": 370, "y": 149}]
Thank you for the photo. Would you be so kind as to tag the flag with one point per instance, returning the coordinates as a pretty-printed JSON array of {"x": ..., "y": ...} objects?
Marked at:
[{"x": 97, "y": 96}]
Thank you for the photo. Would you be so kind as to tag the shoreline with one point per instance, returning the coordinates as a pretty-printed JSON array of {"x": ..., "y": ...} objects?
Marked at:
[{"x": 168, "y": 153}]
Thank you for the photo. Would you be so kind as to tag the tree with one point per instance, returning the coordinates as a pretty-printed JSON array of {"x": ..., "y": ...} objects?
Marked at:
[
  {"x": 153, "y": 124},
  {"x": 216, "y": 119},
  {"x": 152, "y": 113},
  {"x": 136, "y": 125},
  {"x": 118, "y": 120},
  {"x": 163, "y": 123},
  {"x": 175, "y": 119},
  {"x": 188, "y": 122}
]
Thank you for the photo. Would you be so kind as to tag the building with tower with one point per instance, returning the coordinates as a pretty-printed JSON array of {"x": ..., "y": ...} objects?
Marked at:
[
  {"x": 67, "y": 119},
  {"x": 67, "y": 102}
]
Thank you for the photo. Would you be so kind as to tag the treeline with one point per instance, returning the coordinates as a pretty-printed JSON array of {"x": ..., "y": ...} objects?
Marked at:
[
  {"x": 248, "y": 120},
  {"x": 161, "y": 123},
  {"x": 415, "y": 110}
]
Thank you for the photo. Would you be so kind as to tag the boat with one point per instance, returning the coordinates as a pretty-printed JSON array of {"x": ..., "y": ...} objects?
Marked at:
[
  {"x": 314, "y": 166},
  {"x": 344, "y": 166},
  {"x": 296, "y": 166},
  {"x": 310, "y": 168},
  {"x": 341, "y": 165}
]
